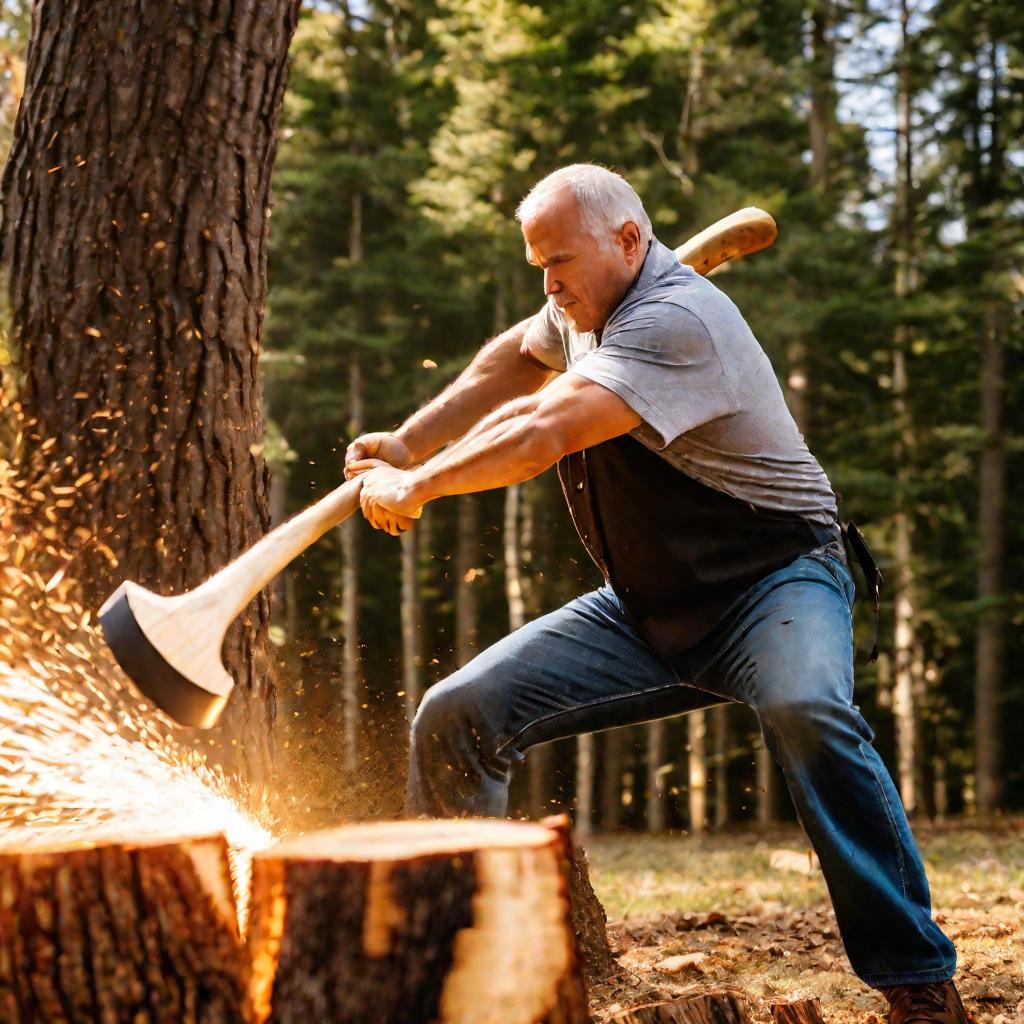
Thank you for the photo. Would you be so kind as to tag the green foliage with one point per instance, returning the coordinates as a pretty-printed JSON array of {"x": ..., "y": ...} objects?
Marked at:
[{"x": 413, "y": 129}]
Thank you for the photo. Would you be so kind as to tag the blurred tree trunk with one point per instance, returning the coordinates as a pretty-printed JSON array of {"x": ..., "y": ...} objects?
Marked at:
[
  {"x": 657, "y": 802},
  {"x": 412, "y": 622},
  {"x": 136, "y": 199},
  {"x": 350, "y": 682},
  {"x": 696, "y": 729},
  {"x": 467, "y": 544},
  {"x": 611, "y": 779},
  {"x": 903, "y": 703},
  {"x": 991, "y": 529},
  {"x": 585, "y": 756},
  {"x": 720, "y": 735},
  {"x": 987, "y": 199}
]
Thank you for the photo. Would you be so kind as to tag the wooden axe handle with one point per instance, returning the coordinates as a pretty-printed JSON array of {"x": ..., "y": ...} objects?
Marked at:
[
  {"x": 231, "y": 589},
  {"x": 739, "y": 234}
]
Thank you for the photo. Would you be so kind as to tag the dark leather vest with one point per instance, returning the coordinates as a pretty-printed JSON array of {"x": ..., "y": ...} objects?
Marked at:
[{"x": 677, "y": 552}]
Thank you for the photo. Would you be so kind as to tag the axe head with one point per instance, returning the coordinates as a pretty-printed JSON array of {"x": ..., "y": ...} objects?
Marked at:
[{"x": 150, "y": 670}]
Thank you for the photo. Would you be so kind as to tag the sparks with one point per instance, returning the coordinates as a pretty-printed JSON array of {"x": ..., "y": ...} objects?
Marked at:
[{"x": 82, "y": 758}]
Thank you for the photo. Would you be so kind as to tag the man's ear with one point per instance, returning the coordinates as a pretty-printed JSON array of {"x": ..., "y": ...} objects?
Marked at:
[{"x": 629, "y": 242}]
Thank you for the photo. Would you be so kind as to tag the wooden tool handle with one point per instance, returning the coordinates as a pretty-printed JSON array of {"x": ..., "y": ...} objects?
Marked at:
[
  {"x": 231, "y": 589},
  {"x": 237, "y": 583},
  {"x": 739, "y": 234}
]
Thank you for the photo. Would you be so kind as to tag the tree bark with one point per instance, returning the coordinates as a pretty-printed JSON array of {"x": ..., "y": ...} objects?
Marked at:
[
  {"x": 699, "y": 1008},
  {"x": 136, "y": 199},
  {"x": 121, "y": 932},
  {"x": 410, "y": 921}
]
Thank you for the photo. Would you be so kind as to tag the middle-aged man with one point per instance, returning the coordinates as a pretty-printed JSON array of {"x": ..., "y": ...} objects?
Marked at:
[{"x": 716, "y": 532}]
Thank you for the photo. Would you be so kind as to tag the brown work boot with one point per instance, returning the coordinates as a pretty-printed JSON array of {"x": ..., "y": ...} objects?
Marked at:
[{"x": 935, "y": 1003}]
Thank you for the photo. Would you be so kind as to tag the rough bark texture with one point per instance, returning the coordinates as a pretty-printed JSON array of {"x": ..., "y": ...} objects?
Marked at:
[
  {"x": 799, "y": 1011},
  {"x": 704, "y": 1008},
  {"x": 136, "y": 200},
  {"x": 589, "y": 920},
  {"x": 120, "y": 933},
  {"x": 415, "y": 921}
]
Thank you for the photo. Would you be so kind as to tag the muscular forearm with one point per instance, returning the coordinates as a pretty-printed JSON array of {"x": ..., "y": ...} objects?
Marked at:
[
  {"x": 505, "y": 448},
  {"x": 497, "y": 373}
]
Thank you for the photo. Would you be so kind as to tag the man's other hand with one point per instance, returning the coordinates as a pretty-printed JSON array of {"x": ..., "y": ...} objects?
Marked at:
[
  {"x": 370, "y": 450},
  {"x": 386, "y": 498}
]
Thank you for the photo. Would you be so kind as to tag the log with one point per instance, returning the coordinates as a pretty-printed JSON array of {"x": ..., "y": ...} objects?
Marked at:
[
  {"x": 589, "y": 920},
  {"x": 455, "y": 922},
  {"x": 120, "y": 932},
  {"x": 796, "y": 1011},
  {"x": 724, "y": 1007}
]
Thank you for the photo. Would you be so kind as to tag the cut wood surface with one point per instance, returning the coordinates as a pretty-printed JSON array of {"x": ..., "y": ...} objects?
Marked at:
[
  {"x": 120, "y": 932},
  {"x": 456, "y": 922},
  {"x": 725, "y": 1007}
]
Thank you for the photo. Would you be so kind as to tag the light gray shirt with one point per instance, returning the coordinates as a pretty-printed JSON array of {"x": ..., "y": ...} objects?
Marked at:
[{"x": 678, "y": 352}]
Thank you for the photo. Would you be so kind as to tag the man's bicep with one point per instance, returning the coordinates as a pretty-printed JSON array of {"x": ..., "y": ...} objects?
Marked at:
[{"x": 577, "y": 413}]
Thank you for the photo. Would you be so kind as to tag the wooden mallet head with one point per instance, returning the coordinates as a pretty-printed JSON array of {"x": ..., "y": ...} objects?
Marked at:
[{"x": 171, "y": 646}]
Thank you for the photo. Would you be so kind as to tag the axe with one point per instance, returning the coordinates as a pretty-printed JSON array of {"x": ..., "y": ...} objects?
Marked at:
[{"x": 171, "y": 646}]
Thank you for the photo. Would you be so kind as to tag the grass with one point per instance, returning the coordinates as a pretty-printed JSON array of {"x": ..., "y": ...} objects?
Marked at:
[{"x": 777, "y": 935}]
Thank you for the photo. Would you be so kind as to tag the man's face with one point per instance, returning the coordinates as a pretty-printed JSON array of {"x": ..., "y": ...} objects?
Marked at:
[{"x": 585, "y": 279}]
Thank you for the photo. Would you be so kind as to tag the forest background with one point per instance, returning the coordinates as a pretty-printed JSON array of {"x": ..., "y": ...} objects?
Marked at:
[{"x": 885, "y": 138}]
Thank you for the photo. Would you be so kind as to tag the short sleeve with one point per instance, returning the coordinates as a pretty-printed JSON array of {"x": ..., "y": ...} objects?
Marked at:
[
  {"x": 543, "y": 339},
  {"x": 661, "y": 361}
]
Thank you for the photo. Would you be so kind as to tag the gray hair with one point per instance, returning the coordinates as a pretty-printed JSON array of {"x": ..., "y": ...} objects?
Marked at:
[{"x": 605, "y": 199}]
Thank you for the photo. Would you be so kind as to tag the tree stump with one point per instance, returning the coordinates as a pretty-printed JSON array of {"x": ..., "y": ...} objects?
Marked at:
[
  {"x": 725, "y": 1007},
  {"x": 589, "y": 920},
  {"x": 796, "y": 1011},
  {"x": 120, "y": 932},
  {"x": 458, "y": 922}
]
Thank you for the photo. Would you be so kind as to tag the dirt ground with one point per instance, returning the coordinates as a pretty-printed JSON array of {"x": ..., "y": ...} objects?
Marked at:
[{"x": 751, "y": 911}]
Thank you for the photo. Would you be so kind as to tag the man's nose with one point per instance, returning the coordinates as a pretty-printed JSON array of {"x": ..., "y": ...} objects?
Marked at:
[{"x": 552, "y": 286}]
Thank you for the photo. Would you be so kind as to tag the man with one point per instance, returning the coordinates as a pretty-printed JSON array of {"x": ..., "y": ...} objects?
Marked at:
[{"x": 716, "y": 531}]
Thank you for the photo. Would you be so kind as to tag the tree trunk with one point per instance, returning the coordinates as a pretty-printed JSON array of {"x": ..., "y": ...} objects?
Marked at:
[
  {"x": 727, "y": 1007},
  {"x": 467, "y": 544},
  {"x": 124, "y": 932},
  {"x": 720, "y": 733},
  {"x": 657, "y": 802},
  {"x": 991, "y": 517},
  {"x": 410, "y": 921},
  {"x": 903, "y": 704},
  {"x": 611, "y": 779},
  {"x": 696, "y": 727},
  {"x": 349, "y": 530},
  {"x": 585, "y": 784},
  {"x": 412, "y": 622},
  {"x": 513, "y": 560},
  {"x": 134, "y": 240}
]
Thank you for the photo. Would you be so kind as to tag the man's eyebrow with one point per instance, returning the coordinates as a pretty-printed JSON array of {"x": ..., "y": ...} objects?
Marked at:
[{"x": 555, "y": 258}]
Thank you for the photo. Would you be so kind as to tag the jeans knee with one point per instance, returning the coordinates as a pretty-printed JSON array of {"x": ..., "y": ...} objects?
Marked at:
[
  {"x": 804, "y": 725},
  {"x": 436, "y": 717}
]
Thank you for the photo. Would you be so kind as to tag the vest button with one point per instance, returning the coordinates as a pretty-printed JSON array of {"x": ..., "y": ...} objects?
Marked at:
[{"x": 579, "y": 486}]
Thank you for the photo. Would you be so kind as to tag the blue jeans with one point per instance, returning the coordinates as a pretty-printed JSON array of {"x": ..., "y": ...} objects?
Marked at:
[{"x": 786, "y": 649}]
